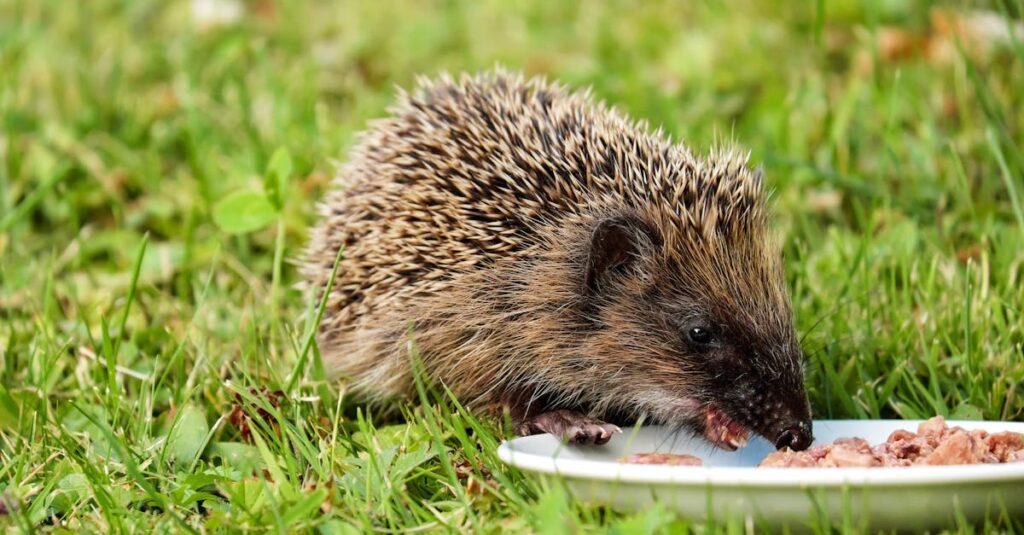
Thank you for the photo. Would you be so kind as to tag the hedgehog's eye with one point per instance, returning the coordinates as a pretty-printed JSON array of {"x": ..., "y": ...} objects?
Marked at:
[{"x": 700, "y": 335}]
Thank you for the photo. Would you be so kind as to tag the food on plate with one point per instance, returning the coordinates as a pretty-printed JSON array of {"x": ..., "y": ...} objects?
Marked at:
[
  {"x": 668, "y": 459},
  {"x": 935, "y": 443}
]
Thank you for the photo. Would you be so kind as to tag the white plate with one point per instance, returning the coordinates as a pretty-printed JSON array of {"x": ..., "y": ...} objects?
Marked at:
[{"x": 729, "y": 484}]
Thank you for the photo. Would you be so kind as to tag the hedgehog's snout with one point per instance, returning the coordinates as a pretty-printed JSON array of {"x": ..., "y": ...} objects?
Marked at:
[
  {"x": 792, "y": 426},
  {"x": 796, "y": 437}
]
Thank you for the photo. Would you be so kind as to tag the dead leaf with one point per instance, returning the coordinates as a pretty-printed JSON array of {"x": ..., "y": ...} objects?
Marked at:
[
  {"x": 971, "y": 252},
  {"x": 979, "y": 32},
  {"x": 897, "y": 44},
  {"x": 241, "y": 415},
  {"x": 822, "y": 201},
  {"x": 7, "y": 504}
]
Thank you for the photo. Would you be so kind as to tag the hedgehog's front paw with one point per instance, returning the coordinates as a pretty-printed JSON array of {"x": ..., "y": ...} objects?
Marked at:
[{"x": 570, "y": 426}]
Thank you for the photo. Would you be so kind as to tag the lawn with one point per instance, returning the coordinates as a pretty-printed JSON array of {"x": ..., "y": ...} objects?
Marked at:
[{"x": 160, "y": 161}]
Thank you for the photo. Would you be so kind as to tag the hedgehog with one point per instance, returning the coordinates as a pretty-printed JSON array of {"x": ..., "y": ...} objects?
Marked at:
[{"x": 546, "y": 258}]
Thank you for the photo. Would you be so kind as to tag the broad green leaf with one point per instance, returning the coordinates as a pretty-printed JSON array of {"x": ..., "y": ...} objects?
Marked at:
[
  {"x": 243, "y": 211},
  {"x": 337, "y": 527},
  {"x": 125, "y": 495},
  {"x": 70, "y": 490},
  {"x": 242, "y": 457},
  {"x": 966, "y": 411},
  {"x": 76, "y": 422},
  {"x": 246, "y": 494},
  {"x": 304, "y": 507},
  {"x": 188, "y": 435},
  {"x": 405, "y": 463}
]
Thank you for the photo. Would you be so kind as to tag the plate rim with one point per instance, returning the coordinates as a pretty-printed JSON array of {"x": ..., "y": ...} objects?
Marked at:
[{"x": 770, "y": 477}]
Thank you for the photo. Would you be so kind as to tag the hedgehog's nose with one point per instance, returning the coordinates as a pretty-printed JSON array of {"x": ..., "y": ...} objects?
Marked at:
[{"x": 795, "y": 437}]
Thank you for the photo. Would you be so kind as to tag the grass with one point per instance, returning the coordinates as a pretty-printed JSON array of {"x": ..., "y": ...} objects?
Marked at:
[{"x": 140, "y": 341}]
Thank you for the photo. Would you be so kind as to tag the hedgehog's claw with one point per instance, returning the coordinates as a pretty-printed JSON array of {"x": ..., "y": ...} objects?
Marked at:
[{"x": 571, "y": 426}]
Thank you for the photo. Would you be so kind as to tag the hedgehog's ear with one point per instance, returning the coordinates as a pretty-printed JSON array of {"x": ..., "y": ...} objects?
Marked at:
[{"x": 615, "y": 243}]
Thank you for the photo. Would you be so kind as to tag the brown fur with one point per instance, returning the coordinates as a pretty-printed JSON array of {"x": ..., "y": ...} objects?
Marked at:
[{"x": 468, "y": 218}]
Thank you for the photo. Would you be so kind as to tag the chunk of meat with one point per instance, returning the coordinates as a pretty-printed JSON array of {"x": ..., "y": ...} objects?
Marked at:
[
  {"x": 787, "y": 458},
  {"x": 887, "y": 457},
  {"x": 1006, "y": 446},
  {"x": 934, "y": 427},
  {"x": 850, "y": 455},
  {"x": 854, "y": 443},
  {"x": 900, "y": 434},
  {"x": 669, "y": 459},
  {"x": 956, "y": 449},
  {"x": 819, "y": 452},
  {"x": 980, "y": 448}
]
